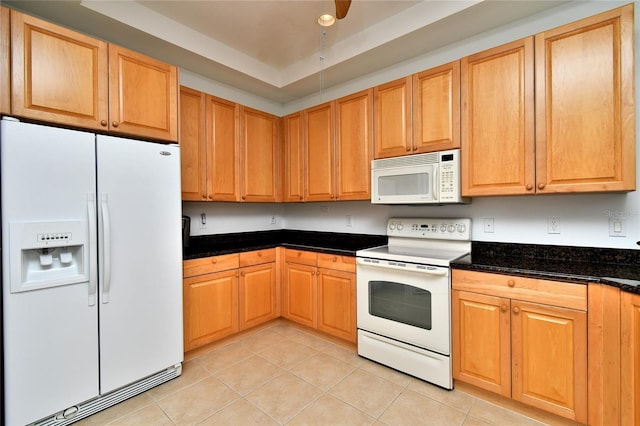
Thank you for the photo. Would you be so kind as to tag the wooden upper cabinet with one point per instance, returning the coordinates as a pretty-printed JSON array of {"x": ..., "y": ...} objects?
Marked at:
[
  {"x": 293, "y": 158},
  {"x": 143, "y": 95},
  {"x": 5, "y": 60},
  {"x": 585, "y": 103},
  {"x": 58, "y": 75},
  {"x": 260, "y": 156},
  {"x": 498, "y": 120},
  {"x": 319, "y": 165},
  {"x": 223, "y": 165},
  {"x": 392, "y": 118},
  {"x": 353, "y": 149},
  {"x": 193, "y": 144},
  {"x": 436, "y": 108}
]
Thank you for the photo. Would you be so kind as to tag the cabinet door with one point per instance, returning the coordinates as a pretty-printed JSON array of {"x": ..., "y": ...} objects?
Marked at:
[
  {"x": 293, "y": 158},
  {"x": 497, "y": 121},
  {"x": 436, "y": 108},
  {"x": 143, "y": 95},
  {"x": 549, "y": 358},
  {"x": 585, "y": 124},
  {"x": 210, "y": 308},
  {"x": 5, "y": 61},
  {"x": 193, "y": 145},
  {"x": 259, "y": 151},
  {"x": 337, "y": 303},
  {"x": 58, "y": 75},
  {"x": 319, "y": 165},
  {"x": 257, "y": 293},
  {"x": 630, "y": 360},
  {"x": 223, "y": 163},
  {"x": 300, "y": 294},
  {"x": 392, "y": 118},
  {"x": 353, "y": 146},
  {"x": 481, "y": 329}
]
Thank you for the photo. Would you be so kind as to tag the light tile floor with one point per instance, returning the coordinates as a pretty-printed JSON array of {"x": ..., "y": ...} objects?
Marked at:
[{"x": 281, "y": 375}]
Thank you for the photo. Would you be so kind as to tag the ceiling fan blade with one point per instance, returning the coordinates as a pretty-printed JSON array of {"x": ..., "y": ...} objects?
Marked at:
[{"x": 342, "y": 7}]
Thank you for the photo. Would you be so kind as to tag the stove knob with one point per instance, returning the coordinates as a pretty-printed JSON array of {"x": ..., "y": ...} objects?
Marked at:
[
  {"x": 461, "y": 227},
  {"x": 443, "y": 228},
  {"x": 400, "y": 227},
  {"x": 392, "y": 226},
  {"x": 451, "y": 228}
]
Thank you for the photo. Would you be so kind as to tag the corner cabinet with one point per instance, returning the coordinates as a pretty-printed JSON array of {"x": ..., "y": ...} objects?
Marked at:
[
  {"x": 65, "y": 77},
  {"x": 319, "y": 292},
  {"x": 260, "y": 156},
  {"x": 503, "y": 327}
]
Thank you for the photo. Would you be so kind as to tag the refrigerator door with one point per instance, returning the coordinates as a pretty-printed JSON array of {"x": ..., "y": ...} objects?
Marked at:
[
  {"x": 141, "y": 259},
  {"x": 51, "y": 328}
]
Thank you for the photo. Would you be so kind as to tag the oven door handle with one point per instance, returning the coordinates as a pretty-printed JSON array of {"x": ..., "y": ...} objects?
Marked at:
[{"x": 401, "y": 266}]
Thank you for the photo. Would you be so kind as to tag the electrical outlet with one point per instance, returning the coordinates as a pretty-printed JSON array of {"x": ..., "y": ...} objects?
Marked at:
[
  {"x": 349, "y": 220},
  {"x": 203, "y": 221},
  {"x": 617, "y": 227},
  {"x": 273, "y": 219},
  {"x": 553, "y": 225},
  {"x": 488, "y": 225}
]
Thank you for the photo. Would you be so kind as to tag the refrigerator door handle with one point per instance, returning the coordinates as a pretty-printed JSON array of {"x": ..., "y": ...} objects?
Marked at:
[
  {"x": 93, "y": 279},
  {"x": 106, "y": 246}
]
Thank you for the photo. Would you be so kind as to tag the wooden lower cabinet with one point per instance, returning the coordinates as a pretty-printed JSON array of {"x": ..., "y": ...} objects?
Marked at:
[
  {"x": 210, "y": 308},
  {"x": 506, "y": 342},
  {"x": 257, "y": 295},
  {"x": 630, "y": 358},
  {"x": 319, "y": 291}
]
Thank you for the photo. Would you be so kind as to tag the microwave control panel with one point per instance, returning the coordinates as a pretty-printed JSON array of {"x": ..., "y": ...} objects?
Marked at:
[{"x": 442, "y": 228}]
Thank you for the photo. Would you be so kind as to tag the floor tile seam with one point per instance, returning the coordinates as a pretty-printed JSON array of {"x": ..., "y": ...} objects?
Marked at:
[
  {"x": 286, "y": 370},
  {"x": 313, "y": 400},
  {"x": 186, "y": 386},
  {"x": 466, "y": 411},
  {"x": 501, "y": 408},
  {"x": 112, "y": 421},
  {"x": 346, "y": 362},
  {"x": 329, "y": 394},
  {"x": 389, "y": 405},
  {"x": 438, "y": 402},
  {"x": 353, "y": 368},
  {"x": 218, "y": 410}
]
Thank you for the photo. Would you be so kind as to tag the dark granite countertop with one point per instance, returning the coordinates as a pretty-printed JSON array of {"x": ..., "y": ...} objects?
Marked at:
[
  {"x": 619, "y": 268},
  {"x": 323, "y": 242}
]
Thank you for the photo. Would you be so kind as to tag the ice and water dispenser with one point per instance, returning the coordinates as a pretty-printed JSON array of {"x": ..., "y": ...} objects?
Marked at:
[{"x": 48, "y": 254}]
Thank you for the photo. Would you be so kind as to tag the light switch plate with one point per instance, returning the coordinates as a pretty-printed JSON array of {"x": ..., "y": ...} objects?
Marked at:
[{"x": 617, "y": 227}]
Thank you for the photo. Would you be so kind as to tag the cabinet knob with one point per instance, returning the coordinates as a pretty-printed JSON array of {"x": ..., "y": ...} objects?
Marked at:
[
  {"x": 114, "y": 123},
  {"x": 335, "y": 259},
  {"x": 541, "y": 186},
  {"x": 503, "y": 308},
  {"x": 259, "y": 254},
  {"x": 299, "y": 253},
  {"x": 511, "y": 283},
  {"x": 210, "y": 197},
  {"x": 408, "y": 148},
  {"x": 529, "y": 187},
  {"x": 236, "y": 275},
  {"x": 415, "y": 148},
  {"x": 516, "y": 310},
  {"x": 244, "y": 197},
  {"x": 103, "y": 123},
  {"x": 300, "y": 197},
  {"x": 204, "y": 196},
  {"x": 242, "y": 273},
  {"x": 214, "y": 261}
]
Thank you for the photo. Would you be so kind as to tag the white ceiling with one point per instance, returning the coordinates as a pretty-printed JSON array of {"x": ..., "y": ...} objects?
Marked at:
[{"x": 275, "y": 48}]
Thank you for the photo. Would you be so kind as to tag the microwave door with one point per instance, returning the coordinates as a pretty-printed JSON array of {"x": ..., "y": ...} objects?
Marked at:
[{"x": 403, "y": 185}]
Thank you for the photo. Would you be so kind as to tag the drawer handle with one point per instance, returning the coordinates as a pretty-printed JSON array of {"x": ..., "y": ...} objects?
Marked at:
[
  {"x": 511, "y": 283},
  {"x": 503, "y": 308},
  {"x": 516, "y": 310}
]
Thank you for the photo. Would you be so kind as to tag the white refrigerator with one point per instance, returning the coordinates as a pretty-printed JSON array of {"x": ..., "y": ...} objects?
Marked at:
[{"x": 91, "y": 270}]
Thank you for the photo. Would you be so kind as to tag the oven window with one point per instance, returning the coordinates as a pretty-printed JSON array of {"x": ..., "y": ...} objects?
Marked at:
[
  {"x": 401, "y": 303},
  {"x": 404, "y": 184}
]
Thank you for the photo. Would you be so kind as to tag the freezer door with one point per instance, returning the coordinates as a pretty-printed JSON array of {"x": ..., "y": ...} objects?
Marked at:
[
  {"x": 141, "y": 259},
  {"x": 51, "y": 328}
]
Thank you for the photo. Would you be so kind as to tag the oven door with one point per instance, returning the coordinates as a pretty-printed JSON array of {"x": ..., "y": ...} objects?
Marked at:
[{"x": 407, "y": 302}]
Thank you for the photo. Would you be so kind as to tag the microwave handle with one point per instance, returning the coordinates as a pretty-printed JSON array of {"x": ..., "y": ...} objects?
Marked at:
[{"x": 436, "y": 183}]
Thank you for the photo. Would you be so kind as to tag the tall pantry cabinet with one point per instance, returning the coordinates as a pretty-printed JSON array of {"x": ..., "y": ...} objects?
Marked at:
[{"x": 61, "y": 76}]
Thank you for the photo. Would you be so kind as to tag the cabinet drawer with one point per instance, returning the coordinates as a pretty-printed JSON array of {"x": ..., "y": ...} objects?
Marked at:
[
  {"x": 301, "y": 256},
  {"x": 207, "y": 265},
  {"x": 257, "y": 257},
  {"x": 334, "y": 261},
  {"x": 554, "y": 293}
]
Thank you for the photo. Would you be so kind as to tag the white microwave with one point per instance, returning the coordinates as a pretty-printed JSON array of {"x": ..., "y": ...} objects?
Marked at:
[{"x": 430, "y": 178}]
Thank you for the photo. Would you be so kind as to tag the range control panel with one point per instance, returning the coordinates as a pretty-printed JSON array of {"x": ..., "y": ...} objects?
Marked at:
[{"x": 441, "y": 229}]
